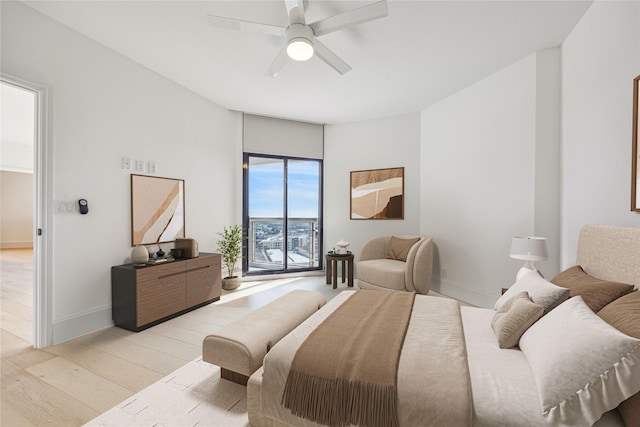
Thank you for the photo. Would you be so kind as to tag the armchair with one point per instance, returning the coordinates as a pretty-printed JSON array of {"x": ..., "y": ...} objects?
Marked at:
[{"x": 402, "y": 262}]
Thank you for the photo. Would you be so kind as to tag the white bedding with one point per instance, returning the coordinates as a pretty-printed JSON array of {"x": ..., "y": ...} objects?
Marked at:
[
  {"x": 503, "y": 389},
  {"x": 414, "y": 369},
  {"x": 502, "y": 386}
]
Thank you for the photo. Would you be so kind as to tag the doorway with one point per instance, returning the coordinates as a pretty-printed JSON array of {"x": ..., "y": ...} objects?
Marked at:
[
  {"x": 282, "y": 214},
  {"x": 25, "y": 192}
]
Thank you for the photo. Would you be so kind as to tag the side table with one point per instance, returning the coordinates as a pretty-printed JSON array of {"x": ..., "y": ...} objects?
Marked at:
[{"x": 332, "y": 268}]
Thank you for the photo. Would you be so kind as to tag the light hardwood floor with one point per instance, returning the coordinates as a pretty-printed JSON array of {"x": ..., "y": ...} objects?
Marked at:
[{"x": 71, "y": 383}]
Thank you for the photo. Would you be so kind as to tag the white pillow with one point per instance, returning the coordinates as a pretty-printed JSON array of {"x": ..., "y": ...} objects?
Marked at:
[
  {"x": 541, "y": 291},
  {"x": 583, "y": 367}
]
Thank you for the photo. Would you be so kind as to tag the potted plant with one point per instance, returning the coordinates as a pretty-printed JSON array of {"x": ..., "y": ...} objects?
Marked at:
[{"x": 230, "y": 247}]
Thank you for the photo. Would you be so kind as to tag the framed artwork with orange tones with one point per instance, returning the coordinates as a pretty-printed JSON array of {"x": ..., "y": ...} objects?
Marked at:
[
  {"x": 377, "y": 194},
  {"x": 157, "y": 209}
]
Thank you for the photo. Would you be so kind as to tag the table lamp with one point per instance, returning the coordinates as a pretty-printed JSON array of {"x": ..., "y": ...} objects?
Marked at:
[{"x": 529, "y": 249}]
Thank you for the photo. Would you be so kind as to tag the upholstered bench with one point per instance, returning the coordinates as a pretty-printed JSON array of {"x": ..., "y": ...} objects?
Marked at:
[{"x": 238, "y": 348}]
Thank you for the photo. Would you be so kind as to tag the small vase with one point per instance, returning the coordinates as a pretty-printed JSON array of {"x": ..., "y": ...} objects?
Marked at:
[
  {"x": 342, "y": 247},
  {"x": 139, "y": 255}
]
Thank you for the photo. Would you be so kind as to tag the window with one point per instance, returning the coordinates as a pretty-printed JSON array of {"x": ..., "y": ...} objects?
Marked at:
[{"x": 282, "y": 214}]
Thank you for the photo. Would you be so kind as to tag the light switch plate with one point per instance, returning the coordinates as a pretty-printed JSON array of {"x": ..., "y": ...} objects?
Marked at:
[
  {"x": 65, "y": 207},
  {"x": 139, "y": 166},
  {"x": 126, "y": 163}
]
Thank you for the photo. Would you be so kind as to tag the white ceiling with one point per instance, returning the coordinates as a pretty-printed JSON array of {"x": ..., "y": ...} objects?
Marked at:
[{"x": 421, "y": 53}]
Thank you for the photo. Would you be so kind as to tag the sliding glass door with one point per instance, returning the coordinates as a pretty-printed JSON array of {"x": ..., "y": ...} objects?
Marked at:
[{"x": 282, "y": 214}]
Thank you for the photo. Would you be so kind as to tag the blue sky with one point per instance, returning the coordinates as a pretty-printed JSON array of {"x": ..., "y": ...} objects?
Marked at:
[{"x": 266, "y": 189}]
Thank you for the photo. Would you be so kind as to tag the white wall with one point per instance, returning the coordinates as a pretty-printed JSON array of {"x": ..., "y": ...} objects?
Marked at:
[
  {"x": 374, "y": 144},
  {"x": 600, "y": 59},
  {"x": 479, "y": 162},
  {"x": 103, "y": 107},
  {"x": 16, "y": 210},
  {"x": 548, "y": 134}
]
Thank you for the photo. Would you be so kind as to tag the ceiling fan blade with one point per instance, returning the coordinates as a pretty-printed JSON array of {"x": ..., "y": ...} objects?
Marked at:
[
  {"x": 330, "y": 58},
  {"x": 277, "y": 64},
  {"x": 295, "y": 11},
  {"x": 353, "y": 17},
  {"x": 237, "y": 24}
]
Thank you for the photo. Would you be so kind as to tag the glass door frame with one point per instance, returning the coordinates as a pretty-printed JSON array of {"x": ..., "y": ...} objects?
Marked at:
[{"x": 246, "y": 219}]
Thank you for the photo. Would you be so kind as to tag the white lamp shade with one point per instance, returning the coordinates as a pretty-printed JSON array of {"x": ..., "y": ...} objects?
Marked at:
[{"x": 529, "y": 248}]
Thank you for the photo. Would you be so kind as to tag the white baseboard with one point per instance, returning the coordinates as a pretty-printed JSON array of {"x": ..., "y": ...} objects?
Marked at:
[
  {"x": 468, "y": 295},
  {"x": 76, "y": 325},
  {"x": 17, "y": 245}
]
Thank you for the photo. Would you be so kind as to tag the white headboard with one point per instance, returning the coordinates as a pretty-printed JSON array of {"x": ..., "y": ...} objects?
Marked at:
[{"x": 610, "y": 253}]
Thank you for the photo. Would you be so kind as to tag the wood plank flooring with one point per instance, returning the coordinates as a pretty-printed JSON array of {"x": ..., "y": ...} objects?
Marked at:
[{"x": 71, "y": 383}]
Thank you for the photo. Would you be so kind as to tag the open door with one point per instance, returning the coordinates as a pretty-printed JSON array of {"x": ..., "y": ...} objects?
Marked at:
[{"x": 36, "y": 97}]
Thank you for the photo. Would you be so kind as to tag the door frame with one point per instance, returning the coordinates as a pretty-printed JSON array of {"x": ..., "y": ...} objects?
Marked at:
[
  {"x": 246, "y": 156},
  {"x": 43, "y": 213}
]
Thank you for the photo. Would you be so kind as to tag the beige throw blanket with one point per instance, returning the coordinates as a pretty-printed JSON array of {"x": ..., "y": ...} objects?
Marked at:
[{"x": 348, "y": 365}]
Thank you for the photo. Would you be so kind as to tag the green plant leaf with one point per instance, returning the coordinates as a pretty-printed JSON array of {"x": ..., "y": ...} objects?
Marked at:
[{"x": 230, "y": 246}]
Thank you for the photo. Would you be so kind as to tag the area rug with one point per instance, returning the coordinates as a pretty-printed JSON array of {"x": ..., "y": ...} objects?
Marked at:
[{"x": 193, "y": 395}]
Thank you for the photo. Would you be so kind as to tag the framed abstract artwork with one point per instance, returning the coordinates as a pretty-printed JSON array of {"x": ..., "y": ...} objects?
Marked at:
[
  {"x": 635, "y": 150},
  {"x": 157, "y": 209},
  {"x": 377, "y": 194}
]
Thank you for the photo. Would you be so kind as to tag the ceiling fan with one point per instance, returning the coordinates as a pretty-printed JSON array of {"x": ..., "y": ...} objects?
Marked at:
[{"x": 301, "y": 38}]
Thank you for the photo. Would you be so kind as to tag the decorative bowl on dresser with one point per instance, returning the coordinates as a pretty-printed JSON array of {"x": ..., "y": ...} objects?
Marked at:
[{"x": 145, "y": 296}]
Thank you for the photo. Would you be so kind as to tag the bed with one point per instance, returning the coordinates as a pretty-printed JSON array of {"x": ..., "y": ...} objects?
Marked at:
[{"x": 506, "y": 386}]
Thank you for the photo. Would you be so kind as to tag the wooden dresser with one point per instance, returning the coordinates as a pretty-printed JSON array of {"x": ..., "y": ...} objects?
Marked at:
[{"x": 145, "y": 296}]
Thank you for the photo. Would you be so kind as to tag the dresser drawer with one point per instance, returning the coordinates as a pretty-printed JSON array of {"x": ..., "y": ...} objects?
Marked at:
[
  {"x": 159, "y": 271},
  {"x": 160, "y": 298},
  {"x": 203, "y": 279},
  {"x": 200, "y": 262}
]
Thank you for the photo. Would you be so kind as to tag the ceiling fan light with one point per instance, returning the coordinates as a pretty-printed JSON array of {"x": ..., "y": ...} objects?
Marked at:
[{"x": 299, "y": 49}]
